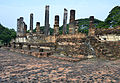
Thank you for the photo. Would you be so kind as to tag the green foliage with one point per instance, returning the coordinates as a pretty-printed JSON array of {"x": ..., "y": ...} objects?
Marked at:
[
  {"x": 42, "y": 30},
  {"x": 51, "y": 31},
  {"x": 61, "y": 29},
  {"x": 84, "y": 25},
  {"x": 6, "y": 34},
  {"x": 113, "y": 18}
]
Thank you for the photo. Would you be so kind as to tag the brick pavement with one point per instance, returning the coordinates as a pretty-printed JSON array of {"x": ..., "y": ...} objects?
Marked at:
[{"x": 19, "y": 68}]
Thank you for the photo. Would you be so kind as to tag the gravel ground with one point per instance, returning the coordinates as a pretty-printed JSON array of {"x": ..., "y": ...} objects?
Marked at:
[{"x": 19, "y": 68}]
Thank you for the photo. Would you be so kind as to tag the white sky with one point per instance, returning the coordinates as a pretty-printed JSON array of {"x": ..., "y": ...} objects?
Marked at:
[{"x": 10, "y": 10}]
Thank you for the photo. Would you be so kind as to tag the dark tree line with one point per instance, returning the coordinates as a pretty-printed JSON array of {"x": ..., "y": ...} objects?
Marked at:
[{"x": 6, "y": 34}]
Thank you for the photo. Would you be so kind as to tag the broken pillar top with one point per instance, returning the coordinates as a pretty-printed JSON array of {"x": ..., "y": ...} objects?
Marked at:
[
  {"x": 91, "y": 22},
  {"x": 65, "y": 10},
  {"x": 37, "y": 23},
  {"x": 31, "y": 22},
  {"x": 56, "y": 17},
  {"x": 72, "y": 11},
  {"x": 91, "y": 18},
  {"x": 72, "y": 16},
  {"x": 47, "y": 7},
  {"x": 31, "y": 14},
  {"x": 21, "y": 18},
  {"x": 18, "y": 19}
]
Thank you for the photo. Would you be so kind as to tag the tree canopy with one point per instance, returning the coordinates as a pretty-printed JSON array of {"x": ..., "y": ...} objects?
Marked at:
[
  {"x": 113, "y": 18},
  {"x": 6, "y": 34}
]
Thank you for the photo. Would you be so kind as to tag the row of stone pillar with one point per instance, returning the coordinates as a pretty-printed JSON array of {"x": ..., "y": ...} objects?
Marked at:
[
  {"x": 22, "y": 27},
  {"x": 56, "y": 25},
  {"x": 47, "y": 25}
]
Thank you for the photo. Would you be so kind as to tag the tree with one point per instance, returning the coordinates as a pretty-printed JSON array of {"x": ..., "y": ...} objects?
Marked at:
[
  {"x": 6, "y": 34},
  {"x": 113, "y": 18}
]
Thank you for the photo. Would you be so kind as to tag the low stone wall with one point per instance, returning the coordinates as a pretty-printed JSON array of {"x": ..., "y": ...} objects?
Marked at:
[
  {"x": 50, "y": 39},
  {"x": 72, "y": 46},
  {"x": 47, "y": 54},
  {"x": 32, "y": 53},
  {"x": 78, "y": 35},
  {"x": 108, "y": 50},
  {"x": 105, "y": 38}
]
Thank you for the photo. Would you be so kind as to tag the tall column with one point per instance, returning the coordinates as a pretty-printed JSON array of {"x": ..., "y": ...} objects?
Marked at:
[
  {"x": 91, "y": 26},
  {"x": 72, "y": 24},
  {"x": 25, "y": 29},
  {"x": 21, "y": 26},
  {"x": 47, "y": 25},
  {"x": 31, "y": 22},
  {"x": 65, "y": 21},
  {"x": 38, "y": 27},
  {"x": 91, "y": 22},
  {"x": 56, "y": 25},
  {"x": 72, "y": 16},
  {"x": 18, "y": 27}
]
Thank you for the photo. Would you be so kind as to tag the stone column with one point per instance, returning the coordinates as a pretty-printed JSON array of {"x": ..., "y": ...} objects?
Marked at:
[
  {"x": 91, "y": 26},
  {"x": 25, "y": 29},
  {"x": 65, "y": 21},
  {"x": 91, "y": 22},
  {"x": 56, "y": 25},
  {"x": 31, "y": 22},
  {"x": 47, "y": 25},
  {"x": 72, "y": 16},
  {"x": 21, "y": 26},
  {"x": 72, "y": 24},
  {"x": 38, "y": 27},
  {"x": 18, "y": 27}
]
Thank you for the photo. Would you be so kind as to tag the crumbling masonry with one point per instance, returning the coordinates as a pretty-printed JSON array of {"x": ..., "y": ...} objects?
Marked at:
[{"x": 70, "y": 44}]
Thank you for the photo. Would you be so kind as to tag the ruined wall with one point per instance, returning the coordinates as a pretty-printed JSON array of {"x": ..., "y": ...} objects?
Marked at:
[
  {"x": 49, "y": 39},
  {"x": 111, "y": 37},
  {"x": 21, "y": 39},
  {"x": 71, "y": 45},
  {"x": 108, "y": 34},
  {"x": 79, "y": 35},
  {"x": 21, "y": 27},
  {"x": 108, "y": 50}
]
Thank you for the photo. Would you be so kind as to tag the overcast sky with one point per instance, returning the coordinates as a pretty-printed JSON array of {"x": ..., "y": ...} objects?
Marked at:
[{"x": 10, "y": 10}]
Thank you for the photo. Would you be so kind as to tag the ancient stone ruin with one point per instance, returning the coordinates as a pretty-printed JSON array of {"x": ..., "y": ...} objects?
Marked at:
[
  {"x": 31, "y": 22},
  {"x": 98, "y": 42},
  {"x": 65, "y": 21},
  {"x": 56, "y": 25},
  {"x": 47, "y": 25}
]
